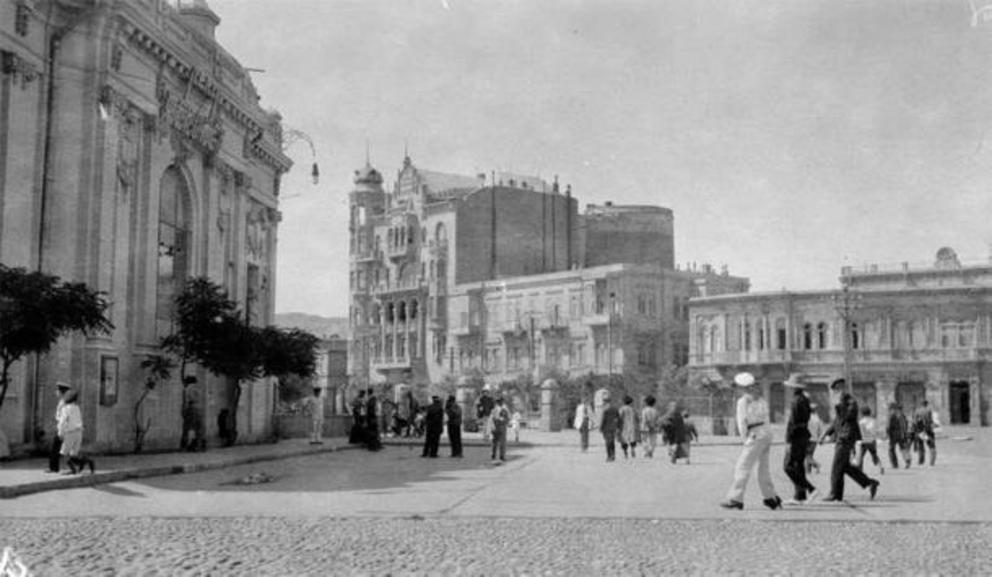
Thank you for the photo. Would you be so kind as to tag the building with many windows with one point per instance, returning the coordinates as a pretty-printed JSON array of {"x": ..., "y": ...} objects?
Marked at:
[
  {"x": 912, "y": 333},
  {"x": 133, "y": 155},
  {"x": 454, "y": 275}
]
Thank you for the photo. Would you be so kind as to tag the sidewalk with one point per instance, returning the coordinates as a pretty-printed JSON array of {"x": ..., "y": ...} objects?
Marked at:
[{"x": 26, "y": 476}]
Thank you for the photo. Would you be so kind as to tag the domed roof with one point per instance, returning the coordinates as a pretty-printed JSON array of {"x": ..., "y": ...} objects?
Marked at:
[{"x": 367, "y": 175}]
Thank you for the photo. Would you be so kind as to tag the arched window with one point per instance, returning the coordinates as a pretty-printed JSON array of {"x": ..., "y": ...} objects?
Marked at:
[
  {"x": 441, "y": 234},
  {"x": 807, "y": 336},
  {"x": 747, "y": 336},
  {"x": 855, "y": 336},
  {"x": 781, "y": 335},
  {"x": 821, "y": 335},
  {"x": 173, "y": 245}
]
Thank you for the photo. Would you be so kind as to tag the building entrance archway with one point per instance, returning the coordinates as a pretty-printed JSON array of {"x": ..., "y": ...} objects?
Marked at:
[{"x": 960, "y": 402}]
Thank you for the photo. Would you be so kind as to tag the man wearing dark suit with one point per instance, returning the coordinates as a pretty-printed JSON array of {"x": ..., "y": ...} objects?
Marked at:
[
  {"x": 797, "y": 437},
  {"x": 846, "y": 432},
  {"x": 608, "y": 426},
  {"x": 434, "y": 422}
]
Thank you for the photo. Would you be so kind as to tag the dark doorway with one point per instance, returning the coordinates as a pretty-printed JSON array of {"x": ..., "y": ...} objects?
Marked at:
[
  {"x": 776, "y": 402},
  {"x": 864, "y": 393},
  {"x": 910, "y": 396},
  {"x": 820, "y": 395},
  {"x": 960, "y": 403}
]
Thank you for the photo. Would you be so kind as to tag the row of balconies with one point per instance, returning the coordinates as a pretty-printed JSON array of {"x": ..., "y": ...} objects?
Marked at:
[{"x": 837, "y": 356}]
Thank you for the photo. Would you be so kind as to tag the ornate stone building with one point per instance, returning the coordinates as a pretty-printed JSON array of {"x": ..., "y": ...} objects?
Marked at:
[
  {"x": 914, "y": 333},
  {"x": 454, "y": 275},
  {"x": 133, "y": 155}
]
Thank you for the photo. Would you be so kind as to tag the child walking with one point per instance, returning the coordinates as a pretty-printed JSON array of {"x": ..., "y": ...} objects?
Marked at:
[{"x": 869, "y": 440}]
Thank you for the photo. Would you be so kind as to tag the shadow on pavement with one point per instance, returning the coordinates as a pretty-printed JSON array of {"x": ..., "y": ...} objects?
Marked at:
[{"x": 390, "y": 470}]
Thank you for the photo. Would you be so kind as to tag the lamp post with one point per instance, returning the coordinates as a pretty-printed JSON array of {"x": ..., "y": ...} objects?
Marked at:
[
  {"x": 291, "y": 136},
  {"x": 609, "y": 335},
  {"x": 846, "y": 303}
]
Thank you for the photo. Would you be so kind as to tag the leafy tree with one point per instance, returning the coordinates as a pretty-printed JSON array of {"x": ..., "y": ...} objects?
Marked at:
[
  {"x": 159, "y": 369},
  {"x": 36, "y": 309},
  {"x": 212, "y": 332}
]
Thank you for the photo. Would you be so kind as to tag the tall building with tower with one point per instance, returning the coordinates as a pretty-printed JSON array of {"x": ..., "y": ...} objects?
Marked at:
[{"x": 500, "y": 275}]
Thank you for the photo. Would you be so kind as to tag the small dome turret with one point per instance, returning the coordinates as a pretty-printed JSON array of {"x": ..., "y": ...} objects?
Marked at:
[{"x": 368, "y": 175}]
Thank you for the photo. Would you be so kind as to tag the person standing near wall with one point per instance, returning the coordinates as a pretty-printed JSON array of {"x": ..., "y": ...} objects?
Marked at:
[
  {"x": 315, "y": 406},
  {"x": 55, "y": 452}
]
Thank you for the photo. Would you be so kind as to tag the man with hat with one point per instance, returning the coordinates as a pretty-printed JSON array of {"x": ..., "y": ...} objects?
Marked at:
[
  {"x": 609, "y": 424},
  {"x": 500, "y": 418},
  {"x": 846, "y": 433},
  {"x": 55, "y": 456},
  {"x": 752, "y": 424},
  {"x": 797, "y": 436},
  {"x": 434, "y": 421},
  {"x": 898, "y": 432}
]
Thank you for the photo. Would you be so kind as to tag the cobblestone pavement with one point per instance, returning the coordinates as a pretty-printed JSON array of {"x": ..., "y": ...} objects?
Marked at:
[{"x": 493, "y": 546}]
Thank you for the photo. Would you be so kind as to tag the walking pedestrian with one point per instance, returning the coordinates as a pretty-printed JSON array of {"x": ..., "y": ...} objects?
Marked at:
[
  {"x": 434, "y": 424},
  {"x": 372, "y": 440},
  {"x": 846, "y": 433},
  {"x": 357, "y": 434},
  {"x": 691, "y": 434},
  {"x": 70, "y": 429},
  {"x": 55, "y": 452},
  {"x": 515, "y": 425},
  {"x": 650, "y": 425},
  {"x": 923, "y": 433},
  {"x": 500, "y": 420},
  {"x": 752, "y": 425},
  {"x": 674, "y": 433},
  {"x": 454, "y": 413},
  {"x": 869, "y": 440},
  {"x": 897, "y": 431},
  {"x": 797, "y": 437},
  {"x": 815, "y": 427},
  {"x": 583, "y": 416},
  {"x": 609, "y": 424},
  {"x": 315, "y": 406},
  {"x": 483, "y": 410},
  {"x": 630, "y": 429}
]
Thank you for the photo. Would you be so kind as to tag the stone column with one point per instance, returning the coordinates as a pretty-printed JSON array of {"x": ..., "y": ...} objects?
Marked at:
[
  {"x": 974, "y": 399},
  {"x": 549, "y": 394}
]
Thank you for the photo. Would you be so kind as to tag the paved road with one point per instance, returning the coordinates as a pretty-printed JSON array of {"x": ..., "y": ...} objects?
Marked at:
[{"x": 549, "y": 509}]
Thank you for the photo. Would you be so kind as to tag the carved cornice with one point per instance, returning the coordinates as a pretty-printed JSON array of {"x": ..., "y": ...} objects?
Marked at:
[
  {"x": 18, "y": 68},
  {"x": 204, "y": 133}
]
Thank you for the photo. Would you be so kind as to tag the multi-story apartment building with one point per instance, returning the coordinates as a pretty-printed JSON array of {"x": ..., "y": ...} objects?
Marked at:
[
  {"x": 133, "y": 155},
  {"x": 455, "y": 275},
  {"x": 912, "y": 333}
]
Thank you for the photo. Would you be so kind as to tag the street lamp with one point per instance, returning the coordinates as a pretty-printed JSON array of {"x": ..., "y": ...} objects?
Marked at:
[
  {"x": 291, "y": 136},
  {"x": 846, "y": 303}
]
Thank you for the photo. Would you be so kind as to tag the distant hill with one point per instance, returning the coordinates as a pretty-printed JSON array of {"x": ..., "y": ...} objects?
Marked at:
[{"x": 322, "y": 327}]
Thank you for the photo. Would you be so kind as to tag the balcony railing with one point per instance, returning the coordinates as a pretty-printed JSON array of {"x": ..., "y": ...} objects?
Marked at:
[
  {"x": 390, "y": 362},
  {"x": 837, "y": 356}
]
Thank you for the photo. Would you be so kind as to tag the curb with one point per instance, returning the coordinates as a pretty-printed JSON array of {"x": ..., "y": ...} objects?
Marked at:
[{"x": 84, "y": 480}]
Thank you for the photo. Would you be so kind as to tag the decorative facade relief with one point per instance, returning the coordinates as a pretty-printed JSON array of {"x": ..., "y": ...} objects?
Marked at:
[
  {"x": 18, "y": 68},
  {"x": 176, "y": 115}
]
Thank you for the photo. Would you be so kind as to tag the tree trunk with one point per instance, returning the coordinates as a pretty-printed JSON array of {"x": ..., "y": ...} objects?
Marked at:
[{"x": 140, "y": 428}]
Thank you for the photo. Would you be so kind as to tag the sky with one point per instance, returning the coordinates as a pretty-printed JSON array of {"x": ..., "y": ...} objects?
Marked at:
[{"x": 789, "y": 137}]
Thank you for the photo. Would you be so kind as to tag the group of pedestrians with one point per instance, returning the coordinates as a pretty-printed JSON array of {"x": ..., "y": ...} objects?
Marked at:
[
  {"x": 365, "y": 421},
  {"x": 629, "y": 427},
  {"x": 853, "y": 429}
]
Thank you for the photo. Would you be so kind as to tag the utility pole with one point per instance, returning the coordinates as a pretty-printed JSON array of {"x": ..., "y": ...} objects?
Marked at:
[
  {"x": 846, "y": 303},
  {"x": 609, "y": 335}
]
